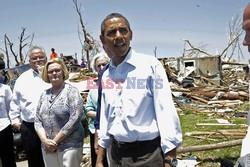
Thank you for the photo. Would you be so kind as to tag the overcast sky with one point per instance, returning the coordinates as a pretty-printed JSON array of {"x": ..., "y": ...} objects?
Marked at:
[{"x": 160, "y": 23}]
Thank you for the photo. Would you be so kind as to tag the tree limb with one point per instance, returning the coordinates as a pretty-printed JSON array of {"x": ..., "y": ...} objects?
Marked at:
[{"x": 11, "y": 48}]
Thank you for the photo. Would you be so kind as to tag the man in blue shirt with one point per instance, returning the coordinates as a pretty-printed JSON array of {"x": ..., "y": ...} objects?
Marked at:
[{"x": 138, "y": 117}]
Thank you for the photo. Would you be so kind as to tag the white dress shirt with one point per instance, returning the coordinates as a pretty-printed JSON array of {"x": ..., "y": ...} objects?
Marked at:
[
  {"x": 5, "y": 97},
  {"x": 137, "y": 104},
  {"x": 245, "y": 149},
  {"x": 27, "y": 91}
]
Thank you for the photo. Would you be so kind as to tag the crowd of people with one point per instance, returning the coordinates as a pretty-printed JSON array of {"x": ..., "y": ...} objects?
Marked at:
[{"x": 130, "y": 122}]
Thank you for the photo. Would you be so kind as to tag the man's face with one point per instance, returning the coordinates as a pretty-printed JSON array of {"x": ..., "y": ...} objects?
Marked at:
[
  {"x": 116, "y": 37},
  {"x": 37, "y": 59},
  {"x": 246, "y": 26}
]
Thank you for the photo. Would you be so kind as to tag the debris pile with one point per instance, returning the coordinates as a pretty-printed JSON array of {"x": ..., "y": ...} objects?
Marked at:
[{"x": 209, "y": 92}]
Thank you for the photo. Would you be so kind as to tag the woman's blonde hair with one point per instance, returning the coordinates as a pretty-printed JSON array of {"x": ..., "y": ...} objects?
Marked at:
[{"x": 63, "y": 68}]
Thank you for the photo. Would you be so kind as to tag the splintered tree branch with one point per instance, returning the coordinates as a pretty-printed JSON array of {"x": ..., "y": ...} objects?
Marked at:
[
  {"x": 11, "y": 48},
  {"x": 193, "y": 48},
  {"x": 235, "y": 31},
  {"x": 6, "y": 52},
  {"x": 31, "y": 42},
  {"x": 86, "y": 40},
  {"x": 22, "y": 39}
]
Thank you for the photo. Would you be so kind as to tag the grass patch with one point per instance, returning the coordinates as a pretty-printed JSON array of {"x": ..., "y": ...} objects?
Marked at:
[{"x": 190, "y": 117}]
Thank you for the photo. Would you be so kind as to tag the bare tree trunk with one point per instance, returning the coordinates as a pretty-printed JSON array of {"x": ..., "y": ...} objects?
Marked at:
[
  {"x": 11, "y": 49},
  {"x": 6, "y": 52},
  {"x": 31, "y": 42},
  {"x": 22, "y": 39},
  {"x": 86, "y": 40}
]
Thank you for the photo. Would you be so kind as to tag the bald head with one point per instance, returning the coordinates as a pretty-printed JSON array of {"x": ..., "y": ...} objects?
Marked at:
[{"x": 246, "y": 26}]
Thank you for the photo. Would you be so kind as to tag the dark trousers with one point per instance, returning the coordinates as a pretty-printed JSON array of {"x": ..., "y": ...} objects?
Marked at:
[
  {"x": 93, "y": 153},
  {"x": 6, "y": 148},
  {"x": 147, "y": 155},
  {"x": 32, "y": 145}
]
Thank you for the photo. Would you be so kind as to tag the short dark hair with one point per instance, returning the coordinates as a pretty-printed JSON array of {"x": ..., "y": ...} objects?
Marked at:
[{"x": 110, "y": 16}]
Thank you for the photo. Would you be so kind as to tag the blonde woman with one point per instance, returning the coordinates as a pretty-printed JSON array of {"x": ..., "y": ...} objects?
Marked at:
[{"x": 58, "y": 117}]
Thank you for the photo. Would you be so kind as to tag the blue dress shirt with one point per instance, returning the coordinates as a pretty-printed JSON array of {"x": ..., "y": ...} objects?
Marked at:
[{"x": 137, "y": 104}]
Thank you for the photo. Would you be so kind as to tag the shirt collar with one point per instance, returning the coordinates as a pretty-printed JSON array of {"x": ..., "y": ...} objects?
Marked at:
[
  {"x": 129, "y": 59},
  {"x": 35, "y": 73}
]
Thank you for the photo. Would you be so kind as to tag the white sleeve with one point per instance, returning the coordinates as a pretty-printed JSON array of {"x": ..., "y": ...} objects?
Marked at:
[{"x": 166, "y": 114}]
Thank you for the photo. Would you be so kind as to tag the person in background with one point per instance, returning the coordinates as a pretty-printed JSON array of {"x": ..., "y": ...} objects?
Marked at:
[
  {"x": 53, "y": 54},
  {"x": 98, "y": 62},
  {"x": 6, "y": 134},
  {"x": 244, "y": 160},
  {"x": 134, "y": 111},
  {"x": 58, "y": 118},
  {"x": 61, "y": 55},
  {"x": 27, "y": 90},
  {"x": 83, "y": 63}
]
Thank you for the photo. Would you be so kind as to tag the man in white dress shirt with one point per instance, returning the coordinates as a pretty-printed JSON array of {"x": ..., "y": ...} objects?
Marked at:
[
  {"x": 7, "y": 155},
  {"x": 138, "y": 118},
  {"x": 244, "y": 160},
  {"x": 27, "y": 90}
]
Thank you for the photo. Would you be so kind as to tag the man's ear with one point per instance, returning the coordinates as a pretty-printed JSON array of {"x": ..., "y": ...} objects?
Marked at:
[
  {"x": 131, "y": 35},
  {"x": 102, "y": 39}
]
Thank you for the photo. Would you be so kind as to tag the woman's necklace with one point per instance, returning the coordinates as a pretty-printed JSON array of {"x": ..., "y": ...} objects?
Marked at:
[{"x": 56, "y": 93}]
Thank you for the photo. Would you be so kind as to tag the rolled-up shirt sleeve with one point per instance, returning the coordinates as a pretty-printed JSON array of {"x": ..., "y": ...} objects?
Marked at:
[
  {"x": 166, "y": 115},
  {"x": 104, "y": 138}
]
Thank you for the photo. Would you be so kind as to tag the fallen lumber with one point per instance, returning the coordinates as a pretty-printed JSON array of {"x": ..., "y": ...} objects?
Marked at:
[
  {"x": 209, "y": 146},
  {"x": 214, "y": 133},
  {"x": 211, "y": 81},
  {"x": 196, "y": 98},
  {"x": 215, "y": 124}
]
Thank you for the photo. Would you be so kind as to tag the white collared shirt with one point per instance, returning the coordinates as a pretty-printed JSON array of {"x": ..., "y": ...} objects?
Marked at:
[
  {"x": 137, "y": 103},
  {"x": 246, "y": 141},
  {"x": 27, "y": 91},
  {"x": 5, "y": 97}
]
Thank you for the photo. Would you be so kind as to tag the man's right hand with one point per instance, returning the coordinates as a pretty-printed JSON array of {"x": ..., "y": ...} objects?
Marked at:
[
  {"x": 17, "y": 126},
  {"x": 99, "y": 164},
  {"x": 96, "y": 142},
  {"x": 100, "y": 156}
]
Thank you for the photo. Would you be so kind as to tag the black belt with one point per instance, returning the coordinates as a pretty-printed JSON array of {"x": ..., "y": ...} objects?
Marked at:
[
  {"x": 29, "y": 124},
  {"x": 137, "y": 144}
]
